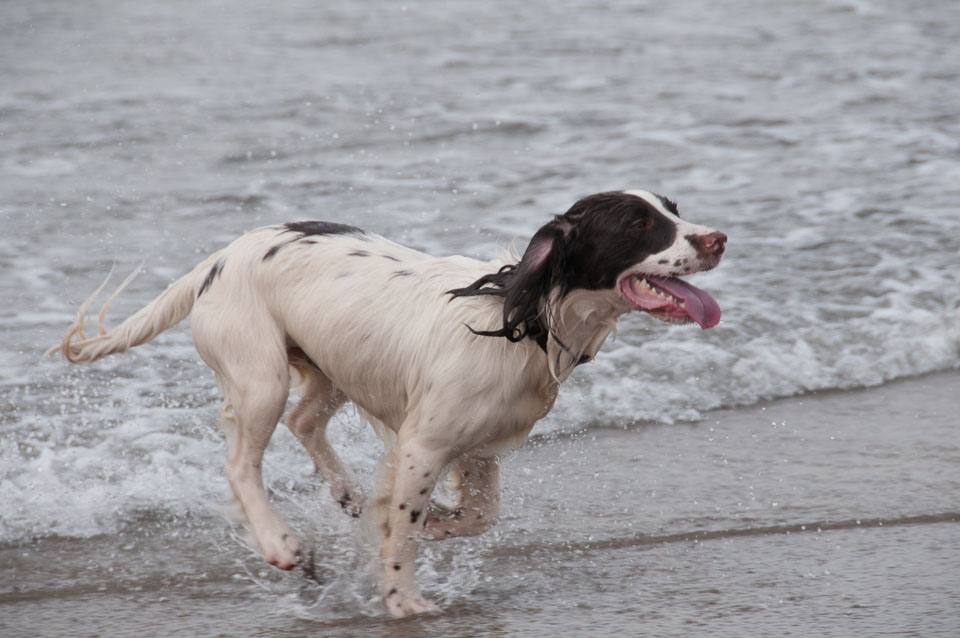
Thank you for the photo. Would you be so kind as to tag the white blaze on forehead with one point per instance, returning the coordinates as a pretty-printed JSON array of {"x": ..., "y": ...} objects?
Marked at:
[
  {"x": 654, "y": 201},
  {"x": 683, "y": 228}
]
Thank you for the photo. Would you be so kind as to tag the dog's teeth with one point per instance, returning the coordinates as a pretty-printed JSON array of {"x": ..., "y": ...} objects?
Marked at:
[{"x": 641, "y": 282}]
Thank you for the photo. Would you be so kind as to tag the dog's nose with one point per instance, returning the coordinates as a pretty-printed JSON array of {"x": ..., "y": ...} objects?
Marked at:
[
  {"x": 714, "y": 243},
  {"x": 709, "y": 245}
]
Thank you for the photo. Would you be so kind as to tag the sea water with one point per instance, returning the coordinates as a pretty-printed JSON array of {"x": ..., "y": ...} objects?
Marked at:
[{"x": 822, "y": 138}]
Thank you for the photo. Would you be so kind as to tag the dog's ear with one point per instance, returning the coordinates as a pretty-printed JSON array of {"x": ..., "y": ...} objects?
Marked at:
[
  {"x": 544, "y": 251},
  {"x": 532, "y": 280},
  {"x": 526, "y": 285}
]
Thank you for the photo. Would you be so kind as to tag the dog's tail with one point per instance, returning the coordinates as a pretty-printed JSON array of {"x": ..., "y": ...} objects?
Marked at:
[{"x": 164, "y": 312}]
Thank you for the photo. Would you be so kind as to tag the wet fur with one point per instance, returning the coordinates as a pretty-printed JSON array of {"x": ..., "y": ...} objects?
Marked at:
[{"x": 452, "y": 359}]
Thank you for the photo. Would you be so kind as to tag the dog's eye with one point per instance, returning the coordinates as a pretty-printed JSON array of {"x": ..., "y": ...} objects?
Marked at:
[{"x": 641, "y": 225}]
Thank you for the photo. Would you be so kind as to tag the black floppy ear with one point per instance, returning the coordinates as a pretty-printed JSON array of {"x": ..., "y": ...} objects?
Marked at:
[
  {"x": 524, "y": 286},
  {"x": 532, "y": 280},
  {"x": 542, "y": 253}
]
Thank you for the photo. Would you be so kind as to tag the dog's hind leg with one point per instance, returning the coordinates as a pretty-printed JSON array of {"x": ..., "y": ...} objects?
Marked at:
[
  {"x": 248, "y": 357},
  {"x": 478, "y": 484},
  {"x": 308, "y": 422},
  {"x": 252, "y": 410}
]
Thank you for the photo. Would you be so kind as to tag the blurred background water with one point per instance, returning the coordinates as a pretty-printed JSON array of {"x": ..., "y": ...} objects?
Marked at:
[{"x": 822, "y": 137}]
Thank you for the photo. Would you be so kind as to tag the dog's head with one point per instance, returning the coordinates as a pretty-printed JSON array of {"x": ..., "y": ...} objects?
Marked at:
[
  {"x": 631, "y": 247},
  {"x": 635, "y": 243}
]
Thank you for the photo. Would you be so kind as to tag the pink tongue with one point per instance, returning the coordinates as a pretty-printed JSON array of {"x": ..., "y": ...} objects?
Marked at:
[{"x": 698, "y": 303}]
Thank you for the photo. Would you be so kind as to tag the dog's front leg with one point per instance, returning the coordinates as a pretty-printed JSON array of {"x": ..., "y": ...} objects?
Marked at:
[{"x": 416, "y": 474}]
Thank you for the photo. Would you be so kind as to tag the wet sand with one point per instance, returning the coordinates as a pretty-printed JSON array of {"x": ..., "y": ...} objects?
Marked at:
[{"x": 832, "y": 514}]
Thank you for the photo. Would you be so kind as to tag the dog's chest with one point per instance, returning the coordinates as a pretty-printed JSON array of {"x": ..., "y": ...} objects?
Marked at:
[{"x": 506, "y": 428}]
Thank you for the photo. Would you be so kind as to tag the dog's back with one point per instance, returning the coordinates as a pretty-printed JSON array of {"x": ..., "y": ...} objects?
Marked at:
[{"x": 373, "y": 315}]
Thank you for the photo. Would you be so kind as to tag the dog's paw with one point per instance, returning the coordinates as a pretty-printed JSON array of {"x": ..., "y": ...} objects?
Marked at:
[
  {"x": 442, "y": 522},
  {"x": 282, "y": 551},
  {"x": 401, "y": 605},
  {"x": 350, "y": 501}
]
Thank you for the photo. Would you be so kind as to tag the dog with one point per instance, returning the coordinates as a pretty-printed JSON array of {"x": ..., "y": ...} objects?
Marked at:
[{"x": 452, "y": 359}]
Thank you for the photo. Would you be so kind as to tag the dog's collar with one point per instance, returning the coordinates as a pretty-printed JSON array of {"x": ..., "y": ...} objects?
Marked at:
[{"x": 541, "y": 340}]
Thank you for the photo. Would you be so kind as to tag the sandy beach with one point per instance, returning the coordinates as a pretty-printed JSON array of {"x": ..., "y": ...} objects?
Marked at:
[{"x": 830, "y": 514}]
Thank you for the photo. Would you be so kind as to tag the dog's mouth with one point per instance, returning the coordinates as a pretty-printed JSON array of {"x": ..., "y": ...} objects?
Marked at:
[{"x": 671, "y": 299}]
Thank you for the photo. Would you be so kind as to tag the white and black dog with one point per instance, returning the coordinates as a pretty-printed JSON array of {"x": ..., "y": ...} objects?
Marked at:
[{"x": 452, "y": 359}]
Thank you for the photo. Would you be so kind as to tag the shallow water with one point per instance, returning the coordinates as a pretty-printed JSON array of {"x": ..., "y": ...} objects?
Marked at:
[
  {"x": 833, "y": 514},
  {"x": 822, "y": 138}
]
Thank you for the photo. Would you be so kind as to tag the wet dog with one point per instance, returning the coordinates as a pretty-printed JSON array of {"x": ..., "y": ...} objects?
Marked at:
[{"x": 452, "y": 359}]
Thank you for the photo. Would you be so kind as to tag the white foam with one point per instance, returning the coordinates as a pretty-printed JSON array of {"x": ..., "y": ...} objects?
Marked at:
[{"x": 92, "y": 448}]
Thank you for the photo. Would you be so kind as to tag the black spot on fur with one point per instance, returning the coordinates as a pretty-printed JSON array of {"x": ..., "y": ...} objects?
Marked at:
[
  {"x": 663, "y": 262},
  {"x": 414, "y": 515},
  {"x": 585, "y": 248},
  {"x": 275, "y": 249},
  {"x": 403, "y": 506},
  {"x": 359, "y": 253},
  {"x": 310, "y": 229},
  {"x": 424, "y": 491},
  {"x": 321, "y": 228},
  {"x": 397, "y": 566},
  {"x": 393, "y": 591},
  {"x": 213, "y": 274},
  {"x": 401, "y": 273},
  {"x": 392, "y": 258}
]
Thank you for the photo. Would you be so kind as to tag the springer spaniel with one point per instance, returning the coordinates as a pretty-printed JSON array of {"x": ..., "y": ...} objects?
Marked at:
[{"x": 452, "y": 359}]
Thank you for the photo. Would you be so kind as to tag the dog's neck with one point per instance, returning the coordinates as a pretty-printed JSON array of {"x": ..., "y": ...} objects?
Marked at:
[{"x": 577, "y": 325}]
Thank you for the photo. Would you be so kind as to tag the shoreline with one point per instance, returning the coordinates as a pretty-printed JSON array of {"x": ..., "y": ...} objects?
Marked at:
[{"x": 752, "y": 521}]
